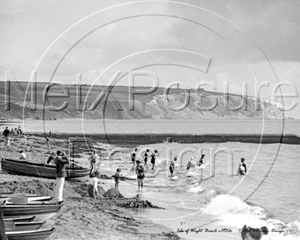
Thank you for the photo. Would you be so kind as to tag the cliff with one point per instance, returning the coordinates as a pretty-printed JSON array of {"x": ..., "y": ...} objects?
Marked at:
[{"x": 115, "y": 105}]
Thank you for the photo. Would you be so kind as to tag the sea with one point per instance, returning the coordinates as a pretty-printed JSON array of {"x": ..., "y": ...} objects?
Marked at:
[{"x": 212, "y": 201}]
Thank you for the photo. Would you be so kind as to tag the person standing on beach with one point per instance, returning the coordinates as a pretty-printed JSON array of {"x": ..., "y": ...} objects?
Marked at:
[
  {"x": 172, "y": 166},
  {"x": 6, "y": 134},
  {"x": 117, "y": 178},
  {"x": 140, "y": 171},
  {"x": 133, "y": 155},
  {"x": 242, "y": 170},
  {"x": 93, "y": 185},
  {"x": 93, "y": 160},
  {"x": 20, "y": 130},
  {"x": 61, "y": 162},
  {"x": 154, "y": 155}
]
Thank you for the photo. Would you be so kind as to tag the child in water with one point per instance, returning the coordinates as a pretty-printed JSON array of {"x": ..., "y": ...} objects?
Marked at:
[{"x": 117, "y": 178}]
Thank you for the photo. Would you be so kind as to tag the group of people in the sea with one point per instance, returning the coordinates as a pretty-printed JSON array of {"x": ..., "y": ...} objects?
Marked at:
[{"x": 140, "y": 167}]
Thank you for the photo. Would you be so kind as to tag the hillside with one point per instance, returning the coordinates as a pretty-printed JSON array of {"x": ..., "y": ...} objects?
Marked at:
[{"x": 115, "y": 104}]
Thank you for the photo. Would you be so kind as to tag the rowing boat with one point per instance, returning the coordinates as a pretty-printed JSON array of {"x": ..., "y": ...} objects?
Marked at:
[
  {"x": 41, "y": 170},
  {"x": 40, "y": 234},
  {"x": 20, "y": 219},
  {"x": 41, "y": 211},
  {"x": 10, "y": 225}
]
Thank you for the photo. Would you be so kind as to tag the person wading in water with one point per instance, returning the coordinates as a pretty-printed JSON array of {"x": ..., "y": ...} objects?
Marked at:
[{"x": 140, "y": 171}]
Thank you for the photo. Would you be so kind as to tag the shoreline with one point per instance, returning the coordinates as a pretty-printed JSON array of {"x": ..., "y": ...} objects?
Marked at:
[
  {"x": 81, "y": 217},
  {"x": 146, "y": 138}
]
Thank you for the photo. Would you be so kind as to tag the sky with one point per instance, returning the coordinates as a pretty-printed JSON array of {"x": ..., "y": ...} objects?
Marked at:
[{"x": 215, "y": 42}]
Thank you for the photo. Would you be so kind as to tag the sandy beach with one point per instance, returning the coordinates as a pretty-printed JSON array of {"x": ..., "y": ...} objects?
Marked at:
[{"x": 80, "y": 217}]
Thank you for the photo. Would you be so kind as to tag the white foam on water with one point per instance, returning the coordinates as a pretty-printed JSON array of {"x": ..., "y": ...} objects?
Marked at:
[
  {"x": 195, "y": 189},
  {"x": 233, "y": 212}
]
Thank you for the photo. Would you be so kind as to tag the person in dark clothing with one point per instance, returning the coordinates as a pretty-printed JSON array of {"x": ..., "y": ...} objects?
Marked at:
[
  {"x": 172, "y": 166},
  {"x": 51, "y": 158},
  {"x": 133, "y": 155},
  {"x": 20, "y": 131},
  {"x": 145, "y": 157},
  {"x": 201, "y": 160},
  {"x": 242, "y": 170},
  {"x": 140, "y": 171},
  {"x": 6, "y": 134},
  {"x": 94, "y": 158},
  {"x": 154, "y": 155},
  {"x": 117, "y": 178},
  {"x": 61, "y": 161},
  {"x": 191, "y": 164}
]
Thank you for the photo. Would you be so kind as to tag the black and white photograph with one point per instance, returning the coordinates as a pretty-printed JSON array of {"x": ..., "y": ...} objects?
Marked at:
[{"x": 149, "y": 119}]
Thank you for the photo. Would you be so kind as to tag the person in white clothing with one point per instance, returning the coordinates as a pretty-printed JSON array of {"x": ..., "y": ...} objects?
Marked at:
[
  {"x": 22, "y": 155},
  {"x": 93, "y": 185},
  {"x": 61, "y": 162}
]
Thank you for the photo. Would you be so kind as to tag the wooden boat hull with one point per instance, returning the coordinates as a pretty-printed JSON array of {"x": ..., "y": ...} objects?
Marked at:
[
  {"x": 22, "y": 226},
  {"x": 41, "y": 212},
  {"x": 40, "y": 234},
  {"x": 20, "y": 219},
  {"x": 40, "y": 170}
]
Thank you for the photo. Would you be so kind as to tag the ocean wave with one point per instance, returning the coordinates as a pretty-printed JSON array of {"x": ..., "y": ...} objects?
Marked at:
[{"x": 233, "y": 212}]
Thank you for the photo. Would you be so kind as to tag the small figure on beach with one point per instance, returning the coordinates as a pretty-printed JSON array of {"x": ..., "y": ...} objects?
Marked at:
[
  {"x": 12, "y": 131},
  {"x": 172, "y": 166},
  {"x": 191, "y": 164},
  {"x": 140, "y": 171},
  {"x": 51, "y": 159},
  {"x": 22, "y": 155},
  {"x": 133, "y": 155},
  {"x": 93, "y": 185},
  {"x": 20, "y": 132},
  {"x": 249, "y": 233},
  {"x": 145, "y": 158},
  {"x": 201, "y": 160},
  {"x": 154, "y": 155},
  {"x": 61, "y": 162},
  {"x": 93, "y": 160},
  {"x": 6, "y": 134},
  {"x": 50, "y": 134},
  {"x": 242, "y": 170},
  {"x": 117, "y": 178}
]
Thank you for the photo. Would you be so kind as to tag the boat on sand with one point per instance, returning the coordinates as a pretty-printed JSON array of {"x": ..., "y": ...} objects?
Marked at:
[{"x": 40, "y": 170}]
